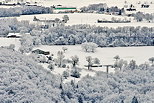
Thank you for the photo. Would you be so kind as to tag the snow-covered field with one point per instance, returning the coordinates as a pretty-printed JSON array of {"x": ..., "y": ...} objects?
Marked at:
[
  {"x": 8, "y": 41},
  {"x": 91, "y": 18},
  {"x": 86, "y": 18},
  {"x": 105, "y": 55},
  {"x": 82, "y": 3},
  {"x": 140, "y": 54}
]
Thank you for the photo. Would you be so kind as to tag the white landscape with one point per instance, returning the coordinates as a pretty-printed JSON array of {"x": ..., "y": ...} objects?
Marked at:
[
  {"x": 87, "y": 51},
  {"x": 86, "y": 18}
]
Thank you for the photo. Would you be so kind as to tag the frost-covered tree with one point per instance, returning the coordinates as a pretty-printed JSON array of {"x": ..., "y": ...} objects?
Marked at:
[
  {"x": 66, "y": 74},
  {"x": 75, "y": 73},
  {"x": 90, "y": 62},
  {"x": 122, "y": 101},
  {"x": 26, "y": 43},
  {"x": 26, "y": 81},
  {"x": 102, "y": 36},
  {"x": 132, "y": 65},
  {"x": 42, "y": 58},
  {"x": 116, "y": 62},
  {"x": 64, "y": 49},
  {"x": 96, "y": 61},
  {"x": 89, "y": 47},
  {"x": 51, "y": 67},
  {"x": 57, "y": 20},
  {"x": 134, "y": 100},
  {"x": 60, "y": 58},
  {"x": 117, "y": 57},
  {"x": 61, "y": 41},
  {"x": 65, "y": 18},
  {"x": 75, "y": 60},
  {"x": 151, "y": 60},
  {"x": 121, "y": 63}
]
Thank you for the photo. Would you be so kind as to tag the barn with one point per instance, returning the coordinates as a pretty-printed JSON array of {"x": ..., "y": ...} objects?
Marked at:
[
  {"x": 14, "y": 35},
  {"x": 64, "y": 9}
]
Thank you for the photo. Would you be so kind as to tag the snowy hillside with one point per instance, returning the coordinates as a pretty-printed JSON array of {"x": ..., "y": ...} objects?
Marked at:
[{"x": 21, "y": 77}]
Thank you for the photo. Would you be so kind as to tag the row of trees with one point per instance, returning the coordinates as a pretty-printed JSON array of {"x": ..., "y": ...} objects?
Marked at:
[
  {"x": 78, "y": 34},
  {"x": 23, "y": 10},
  {"x": 102, "y": 36},
  {"x": 140, "y": 16},
  {"x": 102, "y": 8},
  {"x": 10, "y": 25}
]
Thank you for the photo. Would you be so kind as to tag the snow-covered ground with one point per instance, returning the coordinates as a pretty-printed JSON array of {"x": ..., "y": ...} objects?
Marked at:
[
  {"x": 91, "y": 18},
  {"x": 82, "y": 3},
  {"x": 139, "y": 54},
  {"x": 8, "y": 41},
  {"x": 86, "y": 18}
]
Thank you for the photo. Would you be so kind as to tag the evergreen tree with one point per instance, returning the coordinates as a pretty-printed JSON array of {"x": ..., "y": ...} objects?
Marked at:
[{"x": 134, "y": 100}]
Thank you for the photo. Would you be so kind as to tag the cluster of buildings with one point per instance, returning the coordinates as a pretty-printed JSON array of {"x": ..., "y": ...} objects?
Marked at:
[{"x": 48, "y": 23}]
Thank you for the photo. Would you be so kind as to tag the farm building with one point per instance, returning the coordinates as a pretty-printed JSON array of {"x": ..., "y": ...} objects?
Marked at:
[
  {"x": 63, "y": 9},
  {"x": 14, "y": 35},
  {"x": 131, "y": 8},
  {"x": 48, "y": 23},
  {"x": 145, "y": 6},
  {"x": 38, "y": 51}
]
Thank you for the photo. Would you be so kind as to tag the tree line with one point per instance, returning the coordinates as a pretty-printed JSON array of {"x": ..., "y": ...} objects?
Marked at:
[{"x": 23, "y": 10}]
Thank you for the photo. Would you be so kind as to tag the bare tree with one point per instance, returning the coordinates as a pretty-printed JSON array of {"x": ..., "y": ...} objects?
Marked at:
[
  {"x": 90, "y": 62},
  {"x": 66, "y": 74},
  {"x": 75, "y": 60},
  {"x": 65, "y": 18},
  {"x": 60, "y": 57}
]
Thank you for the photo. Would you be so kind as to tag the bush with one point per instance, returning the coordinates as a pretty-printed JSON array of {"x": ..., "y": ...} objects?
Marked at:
[
  {"x": 75, "y": 73},
  {"x": 66, "y": 74},
  {"x": 11, "y": 46},
  {"x": 51, "y": 67},
  {"x": 64, "y": 66},
  {"x": 96, "y": 61}
]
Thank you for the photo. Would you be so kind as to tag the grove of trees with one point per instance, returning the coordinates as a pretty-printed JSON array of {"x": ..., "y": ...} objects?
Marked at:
[{"x": 24, "y": 10}]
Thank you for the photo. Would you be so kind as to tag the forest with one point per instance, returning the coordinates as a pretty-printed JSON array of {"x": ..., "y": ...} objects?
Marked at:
[
  {"x": 23, "y": 80},
  {"x": 102, "y": 36}
]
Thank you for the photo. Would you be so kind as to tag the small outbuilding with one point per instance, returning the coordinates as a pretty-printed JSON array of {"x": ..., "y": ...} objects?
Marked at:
[
  {"x": 145, "y": 6},
  {"x": 39, "y": 51},
  {"x": 14, "y": 35}
]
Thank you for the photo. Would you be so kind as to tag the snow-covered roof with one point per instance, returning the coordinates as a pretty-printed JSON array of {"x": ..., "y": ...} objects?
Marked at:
[
  {"x": 16, "y": 34},
  {"x": 12, "y": 34}
]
